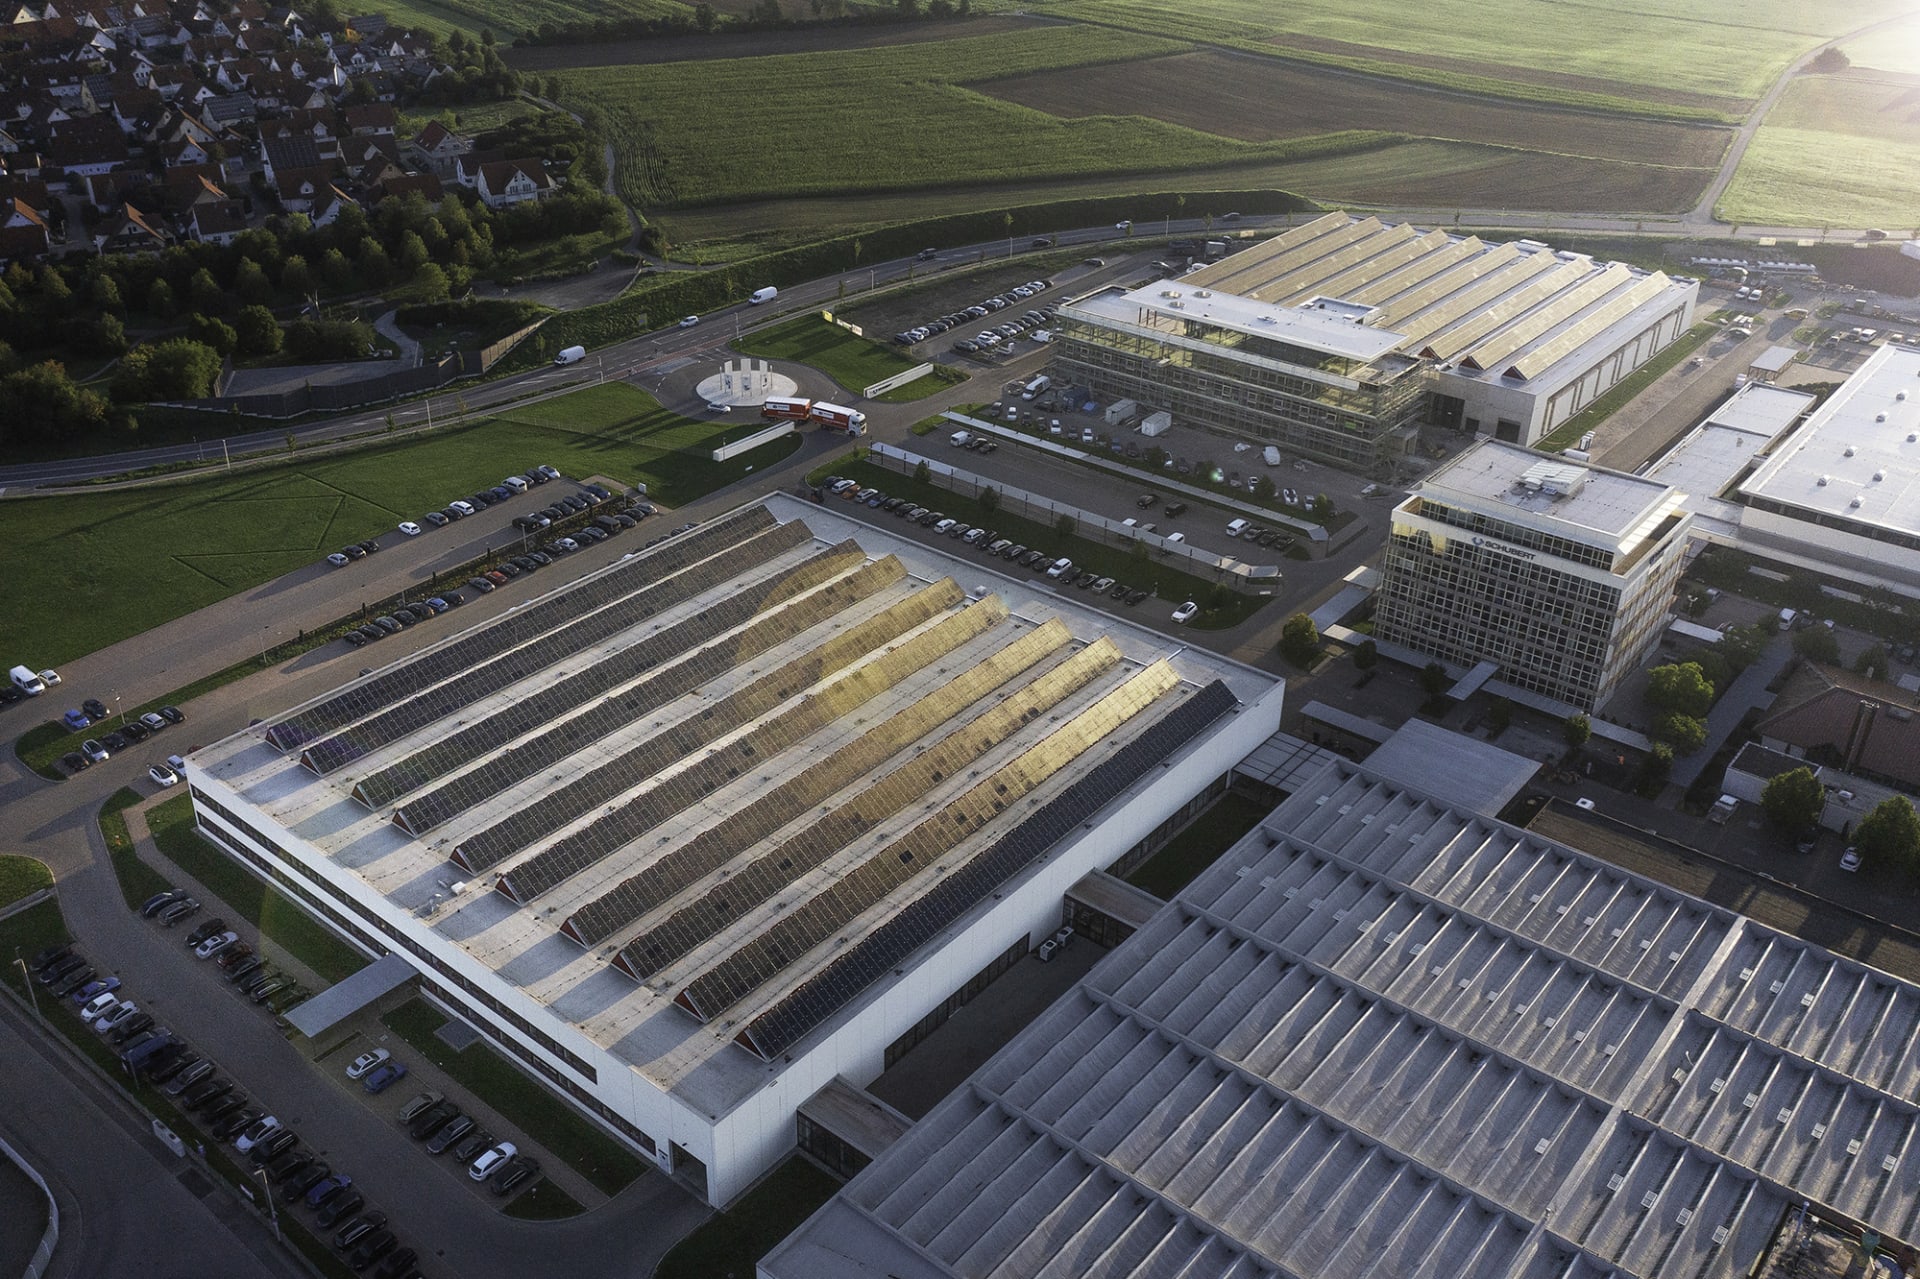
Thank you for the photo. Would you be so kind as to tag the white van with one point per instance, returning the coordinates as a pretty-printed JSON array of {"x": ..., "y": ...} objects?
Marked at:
[
  {"x": 571, "y": 355},
  {"x": 27, "y": 681},
  {"x": 1236, "y": 527},
  {"x": 1036, "y": 386},
  {"x": 960, "y": 439},
  {"x": 767, "y": 294}
]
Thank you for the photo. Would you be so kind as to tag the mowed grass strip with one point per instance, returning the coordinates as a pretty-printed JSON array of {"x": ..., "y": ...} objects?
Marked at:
[
  {"x": 22, "y": 877},
  {"x": 853, "y": 361},
  {"x": 105, "y": 566},
  {"x": 895, "y": 118}
]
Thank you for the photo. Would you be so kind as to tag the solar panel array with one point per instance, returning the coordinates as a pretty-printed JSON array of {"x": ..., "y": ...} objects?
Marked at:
[
  {"x": 861, "y": 887},
  {"x": 612, "y": 777},
  {"x": 775, "y": 872},
  {"x": 471, "y": 685},
  {"x": 599, "y": 839},
  {"x": 549, "y": 706},
  {"x": 714, "y": 847},
  {"x": 1557, "y": 310},
  {"x": 866, "y": 961},
  {"x": 313, "y": 722}
]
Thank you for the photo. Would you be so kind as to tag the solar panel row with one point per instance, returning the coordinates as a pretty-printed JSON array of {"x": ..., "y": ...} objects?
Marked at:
[
  {"x": 655, "y": 672},
  {"x": 551, "y": 702},
  {"x": 609, "y": 616},
  {"x": 612, "y": 777},
  {"x": 866, "y": 961},
  {"x": 774, "y": 872},
  {"x": 311, "y": 722},
  {"x": 708, "y": 851},
  {"x": 761, "y": 959},
  {"x": 605, "y": 835}
]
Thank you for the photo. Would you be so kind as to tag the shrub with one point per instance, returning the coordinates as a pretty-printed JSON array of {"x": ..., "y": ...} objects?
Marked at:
[{"x": 1793, "y": 800}]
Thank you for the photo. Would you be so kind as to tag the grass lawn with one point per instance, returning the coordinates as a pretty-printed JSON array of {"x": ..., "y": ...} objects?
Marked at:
[
  {"x": 121, "y": 563},
  {"x": 854, "y": 362},
  {"x": 544, "y": 1201},
  {"x": 1199, "y": 845},
  {"x": 1832, "y": 152},
  {"x": 269, "y": 910},
  {"x": 595, "y": 1155},
  {"x": 138, "y": 881},
  {"x": 1169, "y": 584},
  {"x": 732, "y": 1242},
  {"x": 22, "y": 877}
]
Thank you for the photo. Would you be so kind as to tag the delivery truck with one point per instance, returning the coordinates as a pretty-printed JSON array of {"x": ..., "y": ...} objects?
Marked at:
[
  {"x": 852, "y": 421},
  {"x": 571, "y": 355},
  {"x": 782, "y": 408},
  {"x": 767, "y": 294}
]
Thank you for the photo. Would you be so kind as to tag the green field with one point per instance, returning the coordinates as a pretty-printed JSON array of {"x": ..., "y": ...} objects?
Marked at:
[
  {"x": 854, "y": 362},
  {"x": 121, "y": 563},
  {"x": 22, "y": 877},
  {"x": 732, "y": 1242},
  {"x": 895, "y": 118},
  {"x": 1836, "y": 150}
]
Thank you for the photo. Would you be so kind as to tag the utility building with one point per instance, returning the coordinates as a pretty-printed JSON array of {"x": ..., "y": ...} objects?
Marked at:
[
  {"x": 1558, "y": 575},
  {"x": 719, "y": 826}
]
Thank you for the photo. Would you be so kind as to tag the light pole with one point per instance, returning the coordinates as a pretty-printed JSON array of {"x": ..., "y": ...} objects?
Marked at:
[
  {"x": 273, "y": 1213},
  {"x": 26, "y": 979}
]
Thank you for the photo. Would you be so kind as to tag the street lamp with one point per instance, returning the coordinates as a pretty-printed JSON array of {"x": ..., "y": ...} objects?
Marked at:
[
  {"x": 26, "y": 979},
  {"x": 273, "y": 1212}
]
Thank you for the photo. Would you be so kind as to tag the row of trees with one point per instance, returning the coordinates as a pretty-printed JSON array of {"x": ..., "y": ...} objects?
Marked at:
[{"x": 1889, "y": 834}]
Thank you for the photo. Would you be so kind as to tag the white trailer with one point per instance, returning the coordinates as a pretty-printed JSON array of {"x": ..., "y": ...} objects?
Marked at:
[
  {"x": 1119, "y": 411},
  {"x": 1156, "y": 423}
]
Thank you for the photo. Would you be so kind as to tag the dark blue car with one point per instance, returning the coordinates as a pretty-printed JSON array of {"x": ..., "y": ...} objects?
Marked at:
[{"x": 384, "y": 1077}]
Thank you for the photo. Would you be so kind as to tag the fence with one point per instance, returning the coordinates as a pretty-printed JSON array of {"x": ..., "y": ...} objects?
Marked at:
[
  {"x": 339, "y": 397},
  {"x": 886, "y": 384},
  {"x": 754, "y": 441},
  {"x": 50, "y": 1237},
  {"x": 1262, "y": 579}
]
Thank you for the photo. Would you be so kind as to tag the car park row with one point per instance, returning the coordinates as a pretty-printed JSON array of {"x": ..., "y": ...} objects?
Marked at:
[
  {"x": 132, "y": 730},
  {"x": 991, "y": 338}
]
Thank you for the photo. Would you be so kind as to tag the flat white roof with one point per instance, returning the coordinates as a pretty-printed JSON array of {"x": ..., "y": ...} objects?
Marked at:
[
  {"x": 1487, "y": 477},
  {"x": 778, "y": 666},
  {"x": 1764, "y": 409},
  {"x": 1331, "y": 330},
  {"x": 1858, "y": 456}
]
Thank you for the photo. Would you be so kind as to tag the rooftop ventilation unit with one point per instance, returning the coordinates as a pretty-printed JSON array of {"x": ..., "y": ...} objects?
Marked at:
[
  {"x": 1177, "y": 305},
  {"x": 1899, "y": 395},
  {"x": 1202, "y": 293},
  {"x": 1557, "y": 479},
  {"x": 1169, "y": 293},
  {"x": 1878, "y": 476},
  {"x": 1854, "y": 503},
  {"x": 1878, "y": 417},
  {"x": 1822, "y": 481},
  {"x": 1849, "y": 452}
]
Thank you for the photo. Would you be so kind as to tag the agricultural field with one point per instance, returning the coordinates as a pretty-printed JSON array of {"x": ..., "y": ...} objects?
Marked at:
[
  {"x": 1895, "y": 48},
  {"x": 1837, "y": 150},
  {"x": 895, "y": 118},
  {"x": 1625, "y": 49},
  {"x": 508, "y": 18},
  {"x": 1257, "y": 101},
  {"x": 117, "y": 564}
]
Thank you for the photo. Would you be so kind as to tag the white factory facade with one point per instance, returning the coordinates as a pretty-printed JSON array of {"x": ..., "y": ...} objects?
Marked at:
[{"x": 701, "y": 834}]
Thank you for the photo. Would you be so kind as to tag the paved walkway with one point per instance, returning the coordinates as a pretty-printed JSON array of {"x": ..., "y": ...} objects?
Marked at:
[{"x": 387, "y": 327}]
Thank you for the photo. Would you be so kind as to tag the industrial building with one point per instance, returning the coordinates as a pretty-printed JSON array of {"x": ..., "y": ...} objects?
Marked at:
[
  {"x": 1842, "y": 493},
  {"x": 1338, "y": 338},
  {"x": 1384, "y": 1036},
  {"x": 721, "y": 826},
  {"x": 1552, "y": 576}
]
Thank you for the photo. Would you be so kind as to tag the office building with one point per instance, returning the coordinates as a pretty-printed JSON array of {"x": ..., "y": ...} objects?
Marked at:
[{"x": 1552, "y": 576}]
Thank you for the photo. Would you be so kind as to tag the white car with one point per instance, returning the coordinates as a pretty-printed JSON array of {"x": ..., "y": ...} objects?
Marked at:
[
  {"x": 409, "y": 528},
  {"x": 1850, "y": 860},
  {"x": 1186, "y": 612},
  {"x": 49, "y": 678},
  {"x": 367, "y": 1061},
  {"x": 114, "y": 1016},
  {"x": 1060, "y": 568},
  {"x": 215, "y": 944},
  {"x": 99, "y": 1006},
  {"x": 688, "y": 321},
  {"x": 163, "y": 775},
  {"x": 256, "y": 1132},
  {"x": 489, "y": 1163}
]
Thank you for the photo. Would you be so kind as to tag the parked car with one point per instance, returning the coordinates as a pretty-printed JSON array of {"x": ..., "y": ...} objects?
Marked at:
[
  {"x": 371, "y": 1249},
  {"x": 94, "y": 707},
  {"x": 361, "y": 1226},
  {"x": 114, "y": 1017},
  {"x": 94, "y": 751},
  {"x": 205, "y": 930},
  {"x": 431, "y": 1120},
  {"x": 384, "y": 1076},
  {"x": 95, "y": 988},
  {"x": 409, "y": 528},
  {"x": 514, "y": 1174},
  {"x": 325, "y": 1189},
  {"x": 191, "y": 1075},
  {"x": 1186, "y": 612},
  {"x": 77, "y": 720},
  {"x": 366, "y": 1061},
  {"x": 257, "y": 1132},
  {"x": 469, "y": 1147},
  {"x": 75, "y": 762},
  {"x": 215, "y": 944},
  {"x": 153, "y": 905},
  {"x": 453, "y": 1130},
  {"x": 162, "y": 775},
  {"x": 177, "y": 911},
  {"x": 274, "y": 1145},
  {"x": 339, "y": 1208},
  {"x": 490, "y": 1162}
]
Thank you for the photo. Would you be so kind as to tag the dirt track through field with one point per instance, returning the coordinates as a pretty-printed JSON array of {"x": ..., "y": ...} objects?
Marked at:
[{"x": 1259, "y": 100}]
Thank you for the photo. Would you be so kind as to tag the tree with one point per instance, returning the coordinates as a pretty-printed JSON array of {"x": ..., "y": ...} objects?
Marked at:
[
  {"x": 1064, "y": 526},
  {"x": 1683, "y": 732},
  {"x": 704, "y": 17},
  {"x": 1263, "y": 489},
  {"x": 180, "y": 369},
  {"x": 1299, "y": 640},
  {"x": 1434, "y": 679},
  {"x": 1872, "y": 663},
  {"x": 1793, "y": 801},
  {"x": 1322, "y": 507},
  {"x": 921, "y": 473},
  {"x": 1817, "y": 644},
  {"x": 1655, "y": 768},
  {"x": 250, "y": 282},
  {"x": 1741, "y": 646},
  {"x": 429, "y": 284},
  {"x": 257, "y": 332},
  {"x": 160, "y": 303},
  {"x": 1500, "y": 715},
  {"x": 1680, "y": 687},
  {"x": 1890, "y": 833},
  {"x": 1578, "y": 729},
  {"x": 208, "y": 331},
  {"x": 989, "y": 500},
  {"x": 1829, "y": 61},
  {"x": 1366, "y": 655}
]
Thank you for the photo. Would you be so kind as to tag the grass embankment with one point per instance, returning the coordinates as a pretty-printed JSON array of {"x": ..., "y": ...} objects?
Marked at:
[
  {"x": 122, "y": 563},
  {"x": 22, "y": 877},
  {"x": 1623, "y": 391},
  {"x": 610, "y": 1166},
  {"x": 1141, "y": 568},
  {"x": 732, "y": 1242},
  {"x": 1199, "y": 845},
  {"x": 854, "y": 362},
  {"x": 241, "y": 892}
]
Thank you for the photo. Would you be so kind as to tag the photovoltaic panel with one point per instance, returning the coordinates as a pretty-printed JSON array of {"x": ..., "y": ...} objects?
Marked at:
[
  {"x": 611, "y": 778},
  {"x": 311, "y": 722},
  {"x": 708, "y": 851},
  {"x": 813, "y": 921},
  {"x": 874, "y": 956},
  {"x": 774, "y": 872},
  {"x": 601, "y": 838},
  {"x": 551, "y": 704},
  {"x": 610, "y": 615}
]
